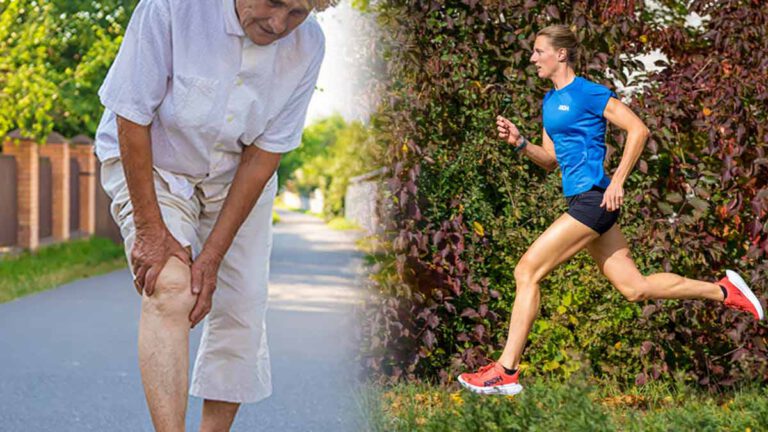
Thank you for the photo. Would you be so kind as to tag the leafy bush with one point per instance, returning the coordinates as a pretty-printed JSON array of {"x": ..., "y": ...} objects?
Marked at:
[
  {"x": 53, "y": 58},
  {"x": 462, "y": 208},
  {"x": 704, "y": 200}
]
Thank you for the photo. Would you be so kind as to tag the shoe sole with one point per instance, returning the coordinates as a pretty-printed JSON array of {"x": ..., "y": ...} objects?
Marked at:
[
  {"x": 506, "y": 389},
  {"x": 739, "y": 283}
]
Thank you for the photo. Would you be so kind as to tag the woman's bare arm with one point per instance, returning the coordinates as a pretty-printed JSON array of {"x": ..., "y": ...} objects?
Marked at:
[
  {"x": 543, "y": 155},
  {"x": 637, "y": 134}
]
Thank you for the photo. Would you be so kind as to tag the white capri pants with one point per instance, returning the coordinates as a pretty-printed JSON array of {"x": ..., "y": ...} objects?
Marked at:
[{"x": 232, "y": 362}]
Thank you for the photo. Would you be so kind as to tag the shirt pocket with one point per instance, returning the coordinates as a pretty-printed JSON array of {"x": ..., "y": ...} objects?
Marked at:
[{"x": 193, "y": 99}]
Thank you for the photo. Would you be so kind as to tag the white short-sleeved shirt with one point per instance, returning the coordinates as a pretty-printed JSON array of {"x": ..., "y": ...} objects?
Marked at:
[{"x": 188, "y": 69}]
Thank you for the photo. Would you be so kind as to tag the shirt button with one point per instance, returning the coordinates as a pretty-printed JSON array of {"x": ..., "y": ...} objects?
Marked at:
[
  {"x": 230, "y": 118},
  {"x": 239, "y": 81}
]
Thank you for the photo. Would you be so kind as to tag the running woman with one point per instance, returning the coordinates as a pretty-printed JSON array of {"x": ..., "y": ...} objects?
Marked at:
[{"x": 574, "y": 115}]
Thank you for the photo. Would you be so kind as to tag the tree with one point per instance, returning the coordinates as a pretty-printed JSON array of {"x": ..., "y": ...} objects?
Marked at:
[
  {"x": 53, "y": 58},
  {"x": 332, "y": 152},
  {"x": 315, "y": 141},
  {"x": 27, "y": 89}
]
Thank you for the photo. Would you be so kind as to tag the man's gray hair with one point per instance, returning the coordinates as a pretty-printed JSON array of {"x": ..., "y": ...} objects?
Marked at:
[{"x": 321, "y": 5}]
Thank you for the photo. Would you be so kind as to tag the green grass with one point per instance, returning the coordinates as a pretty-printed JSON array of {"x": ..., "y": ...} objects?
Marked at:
[
  {"x": 337, "y": 223},
  {"x": 549, "y": 405},
  {"x": 279, "y": 204},
  {"x": 310, "y": 213},
  {"x": 51, "y": 266},
  {"x": 343, "y": 224}
]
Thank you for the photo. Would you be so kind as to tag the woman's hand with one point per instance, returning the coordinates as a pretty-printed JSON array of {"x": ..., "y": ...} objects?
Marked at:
[
  {"x": 508, "y": 131},
  {"x": 613, "y": 197}
]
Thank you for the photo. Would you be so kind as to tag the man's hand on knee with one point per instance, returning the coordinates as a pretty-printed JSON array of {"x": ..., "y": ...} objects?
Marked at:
[
  {"x": 151, "y": 251},
  {"x": 205, "y": 271}
]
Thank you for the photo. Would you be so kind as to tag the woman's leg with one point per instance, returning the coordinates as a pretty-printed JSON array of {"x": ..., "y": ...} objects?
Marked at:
[
  {"x": 612, "y": 255},
  {"x": 560, "y": 241}
]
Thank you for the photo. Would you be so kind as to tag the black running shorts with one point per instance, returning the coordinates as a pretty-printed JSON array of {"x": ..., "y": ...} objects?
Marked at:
[{"x": 585, "y": 208}]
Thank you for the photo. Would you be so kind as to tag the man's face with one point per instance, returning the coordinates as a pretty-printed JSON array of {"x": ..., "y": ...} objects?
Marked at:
[{"x": 265, "y": 21}]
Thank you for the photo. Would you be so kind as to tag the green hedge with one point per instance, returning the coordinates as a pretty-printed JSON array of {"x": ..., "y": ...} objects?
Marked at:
[{"x": 463, "y": 208}]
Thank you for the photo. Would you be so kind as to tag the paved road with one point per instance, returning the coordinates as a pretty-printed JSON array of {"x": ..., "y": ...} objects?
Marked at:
[{"x": 68, "y": 357}]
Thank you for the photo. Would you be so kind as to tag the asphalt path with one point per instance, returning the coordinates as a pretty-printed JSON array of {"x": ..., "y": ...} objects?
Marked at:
[{"x": 68, "y": 359}]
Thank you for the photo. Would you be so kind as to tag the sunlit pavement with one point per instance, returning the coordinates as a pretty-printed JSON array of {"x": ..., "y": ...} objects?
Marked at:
[{"x": 68, "y": 357}]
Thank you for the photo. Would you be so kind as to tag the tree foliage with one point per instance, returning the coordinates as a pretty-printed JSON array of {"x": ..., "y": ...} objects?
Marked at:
[
  {"x": 315, "y": 141},
  {"x": 332, "y": 152},
  {"x": 53, "y": 58}
]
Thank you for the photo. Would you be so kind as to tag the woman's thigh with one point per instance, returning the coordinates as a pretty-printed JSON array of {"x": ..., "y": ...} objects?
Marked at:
[
  {"x": 611, "y": 253},
  {"x": 563, "y": 239}
]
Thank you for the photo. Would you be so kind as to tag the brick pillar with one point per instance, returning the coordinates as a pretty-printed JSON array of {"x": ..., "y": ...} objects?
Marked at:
[
  {"x": 82, "y": 150},
  {"x": 56, "y": 148},
  {"x": 25, "y": 150}
]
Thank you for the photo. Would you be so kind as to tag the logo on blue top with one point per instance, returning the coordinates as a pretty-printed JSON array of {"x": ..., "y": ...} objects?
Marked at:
[{"x": 564, "y": 108}]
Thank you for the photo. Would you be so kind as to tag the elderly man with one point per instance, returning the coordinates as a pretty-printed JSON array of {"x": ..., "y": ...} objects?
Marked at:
[{"x": 202, "y": 99}]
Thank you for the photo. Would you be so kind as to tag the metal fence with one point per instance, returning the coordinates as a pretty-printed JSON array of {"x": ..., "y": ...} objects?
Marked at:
[{"x": 9, "y": 222}]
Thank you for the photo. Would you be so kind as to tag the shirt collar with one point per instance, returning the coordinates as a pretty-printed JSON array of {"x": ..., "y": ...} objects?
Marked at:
[{"x": 231, "y": 24}]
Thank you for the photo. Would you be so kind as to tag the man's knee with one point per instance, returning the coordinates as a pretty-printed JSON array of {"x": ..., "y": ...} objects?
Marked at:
[{"x": 173, "y": 294}]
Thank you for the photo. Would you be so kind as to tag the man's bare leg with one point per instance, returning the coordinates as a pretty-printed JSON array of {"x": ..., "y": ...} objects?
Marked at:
[
  {"x": 164, "y": 346},
  {"x": 612, "y": 255},
  {"x": 218, "y": 416}
]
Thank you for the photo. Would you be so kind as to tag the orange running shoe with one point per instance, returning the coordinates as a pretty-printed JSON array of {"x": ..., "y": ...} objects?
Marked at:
[
  {"x": 492, "y": 379},
  {"x": 739, "y": 295}
]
